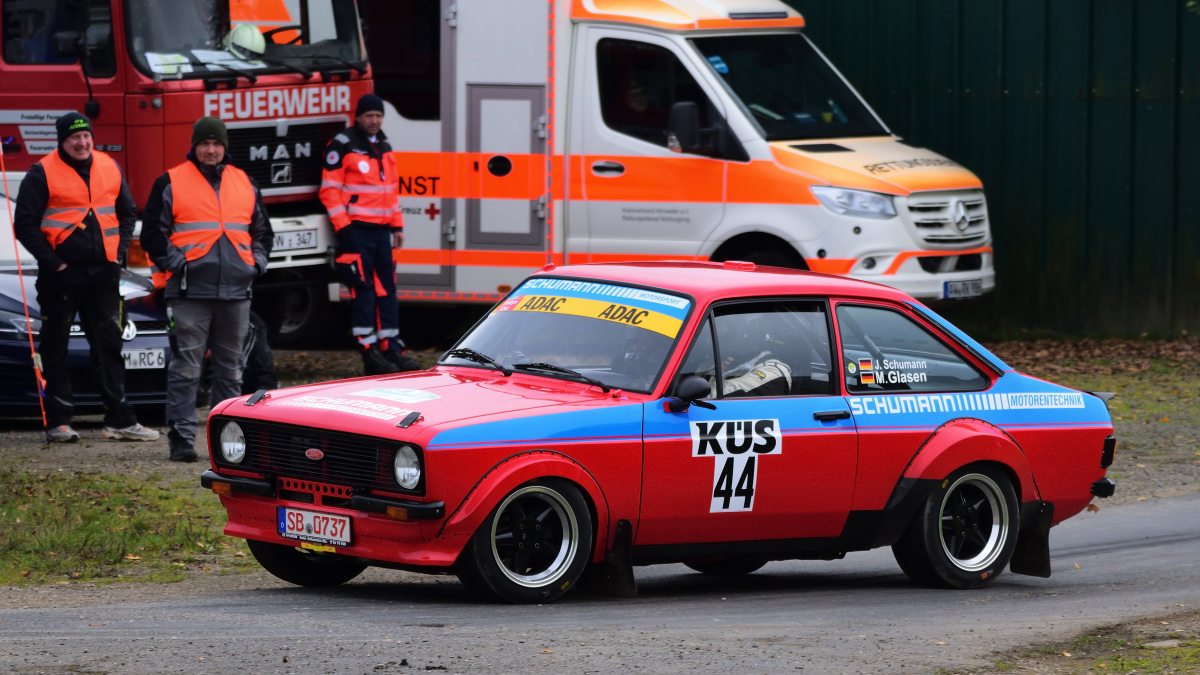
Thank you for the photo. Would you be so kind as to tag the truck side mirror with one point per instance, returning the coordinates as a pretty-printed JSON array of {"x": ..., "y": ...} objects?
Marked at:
[
  {"x": 683, "y": 127},
  {"x": 690, "y": 393},
  {"x": 66, "y": 44}
]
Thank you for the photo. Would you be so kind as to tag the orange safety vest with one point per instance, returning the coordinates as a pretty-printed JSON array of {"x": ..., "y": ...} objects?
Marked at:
[
  {"x": 201, "y": 218},
  {"x": 71, "y": 199}
]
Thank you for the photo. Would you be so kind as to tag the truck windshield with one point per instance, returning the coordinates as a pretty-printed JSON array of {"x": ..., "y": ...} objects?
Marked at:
[
  {"x": 186, "y": 38},
  {"x": 617, "y": 335},
  {"x": 788, "y": 88}
]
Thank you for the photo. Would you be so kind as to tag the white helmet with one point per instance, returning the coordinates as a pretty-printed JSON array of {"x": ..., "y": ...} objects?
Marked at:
[{"x": 246, "y": 43}]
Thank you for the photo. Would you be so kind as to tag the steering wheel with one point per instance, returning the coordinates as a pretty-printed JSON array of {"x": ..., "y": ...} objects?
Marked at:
[{"x": 270, "y": 35}]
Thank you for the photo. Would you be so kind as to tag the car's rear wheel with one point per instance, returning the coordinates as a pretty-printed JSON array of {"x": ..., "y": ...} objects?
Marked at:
[
  {"x": 965, "y": 534},
  {"x": 532, "y": 547},
  {"x": 304, "y": 568},
  {"x": 729, "y": 567}
]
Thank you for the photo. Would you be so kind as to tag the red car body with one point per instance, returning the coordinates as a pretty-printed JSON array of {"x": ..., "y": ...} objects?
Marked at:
[{"x": 852, "y": 481}]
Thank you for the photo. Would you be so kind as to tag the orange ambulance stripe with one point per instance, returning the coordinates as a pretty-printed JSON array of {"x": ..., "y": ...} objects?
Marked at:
[
  {"x": 831, "y": 265},
  {"x": 905, "y": 256},
  {"x": 657, "y": 179}
]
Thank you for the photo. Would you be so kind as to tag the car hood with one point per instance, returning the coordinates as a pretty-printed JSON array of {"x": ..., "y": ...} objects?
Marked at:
[
  {"x": 443, "y": 396},
  {"x": 879, "y": 164},
  {"x": 141, "y": 301}
]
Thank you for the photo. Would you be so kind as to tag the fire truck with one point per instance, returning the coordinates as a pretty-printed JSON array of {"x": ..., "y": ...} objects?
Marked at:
[{"x": 145, "y": 70}]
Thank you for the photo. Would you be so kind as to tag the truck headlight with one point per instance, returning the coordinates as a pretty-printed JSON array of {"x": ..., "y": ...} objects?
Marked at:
[
  {"x": 233, "y": 443},
  {"x": 407, "y": 467},
  {"x": 855, "y": 202}
]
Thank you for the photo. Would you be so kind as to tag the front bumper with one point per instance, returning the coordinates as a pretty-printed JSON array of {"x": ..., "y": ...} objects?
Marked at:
[{"x": 925, "y": 286}]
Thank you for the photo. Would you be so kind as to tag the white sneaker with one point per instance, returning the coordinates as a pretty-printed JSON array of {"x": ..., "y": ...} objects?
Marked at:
[
  {"x": 136, "y": 432},
  {"x": 63, "y": 434}
]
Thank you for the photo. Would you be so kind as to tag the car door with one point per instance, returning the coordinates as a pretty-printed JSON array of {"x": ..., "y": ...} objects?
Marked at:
[{"x": 777, "y": 457}]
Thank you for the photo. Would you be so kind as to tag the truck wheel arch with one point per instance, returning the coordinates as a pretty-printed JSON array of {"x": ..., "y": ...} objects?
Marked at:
[
  {"x": 521, "y": 468},
  {"x": 768, "y": 247}
]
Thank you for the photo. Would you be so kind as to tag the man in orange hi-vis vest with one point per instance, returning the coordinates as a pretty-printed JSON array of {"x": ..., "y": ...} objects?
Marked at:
[
  {"x": 76, "y": 216},
  {"x": 205, "y": 225},
  {"x": 358, "y": 189}
]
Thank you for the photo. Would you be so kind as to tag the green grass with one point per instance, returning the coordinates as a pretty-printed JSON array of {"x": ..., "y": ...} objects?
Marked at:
[{"x": 70, "y": 527}]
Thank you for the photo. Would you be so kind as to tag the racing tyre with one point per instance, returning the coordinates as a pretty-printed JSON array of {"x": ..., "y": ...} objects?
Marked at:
[
  {"x": 304, "y": 568},
  {"x": 966, "y": 532},
  {"x": 730, "y": 567},
  {"x": 532, "y": 547}
]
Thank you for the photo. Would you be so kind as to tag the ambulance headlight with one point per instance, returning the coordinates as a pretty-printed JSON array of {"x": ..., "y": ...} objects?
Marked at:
[
  {"x": 233, "y": 443},
  {"x": 407, "y": 467},
  {"x": 855, "y": 202}
]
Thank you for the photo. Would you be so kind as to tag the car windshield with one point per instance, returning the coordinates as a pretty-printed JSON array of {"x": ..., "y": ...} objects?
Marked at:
[
  {"x": 174, "y": 38},
  {"x": 614, "y": 334},
  {"x": 788, "y": 88}
]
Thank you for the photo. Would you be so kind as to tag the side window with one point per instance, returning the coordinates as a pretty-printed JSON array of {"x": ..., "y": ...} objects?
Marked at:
[
  {"x": 639, "y": 83},
  {"x": 885, "y": 350},
  {"x": 774, "y": 349},
  {"x": 701, "y": 361},
  {"x": 50, "y": 32}
]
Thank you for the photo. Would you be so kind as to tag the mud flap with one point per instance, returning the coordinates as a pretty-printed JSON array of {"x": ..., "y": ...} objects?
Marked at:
[
  {"x": 1032, "y": 554},
  {"x": 614, "y": 576}
]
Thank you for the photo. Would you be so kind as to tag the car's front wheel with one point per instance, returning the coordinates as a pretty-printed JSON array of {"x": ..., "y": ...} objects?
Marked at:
[
  {"x": 532, "y": 547},
  {"x": 965, "y": 534},
  {"x": 304, "y": 568}
]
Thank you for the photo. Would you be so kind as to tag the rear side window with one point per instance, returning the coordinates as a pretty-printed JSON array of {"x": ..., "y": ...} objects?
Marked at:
[{"x": 885, "y": 350}]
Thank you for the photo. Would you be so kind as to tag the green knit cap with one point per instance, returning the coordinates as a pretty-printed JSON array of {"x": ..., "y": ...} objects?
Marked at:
[{"x": 207, "y": 128}]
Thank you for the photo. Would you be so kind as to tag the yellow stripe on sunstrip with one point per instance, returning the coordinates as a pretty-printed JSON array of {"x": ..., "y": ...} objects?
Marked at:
[{"x": 595, "y": 309}]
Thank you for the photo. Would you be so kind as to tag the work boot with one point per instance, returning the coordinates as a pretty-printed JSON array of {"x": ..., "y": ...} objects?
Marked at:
[
  {"x": 63, "y": 434},
  {"x": 183, "y": 454},
  {"x": 136, "y": 432},
  {"x": 375, "y": 363},
  {"x": 403, "y": 362}
]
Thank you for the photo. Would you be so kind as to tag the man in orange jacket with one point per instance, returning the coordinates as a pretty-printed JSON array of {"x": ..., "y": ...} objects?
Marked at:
[
  {"x": 358, "y": 188},
  {"x": 76, "y": 216},
  {"x": 205, "y": 225}
]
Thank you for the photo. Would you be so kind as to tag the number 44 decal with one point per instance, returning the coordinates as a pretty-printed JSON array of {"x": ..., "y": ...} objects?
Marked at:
[{"x": 735, "y": 446}]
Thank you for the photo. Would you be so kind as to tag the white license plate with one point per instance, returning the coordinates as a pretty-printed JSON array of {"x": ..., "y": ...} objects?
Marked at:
[
  {"x": 142, "y": 359},
  {"x": 325, "y": 528},
  {"x": 972, "y": 288},
  {"x": 295, "y": 239}
]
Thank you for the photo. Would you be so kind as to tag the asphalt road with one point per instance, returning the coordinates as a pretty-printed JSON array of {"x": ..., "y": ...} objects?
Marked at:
[{"x": 858, "y": 615}]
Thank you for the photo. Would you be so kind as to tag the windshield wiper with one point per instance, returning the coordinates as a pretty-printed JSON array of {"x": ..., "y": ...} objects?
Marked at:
[
  {"x": 243, "y": 73},
  {"x": 477, "y": 357},
  {"x": 295, "y": 69},
  {"x": 566, "y": 371},
  {"x": 359, "y": 67}
]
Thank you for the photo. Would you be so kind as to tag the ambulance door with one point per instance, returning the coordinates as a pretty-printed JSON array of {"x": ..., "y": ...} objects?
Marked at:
[
  {"x": 642, "y": 197},
  {"x": 777, "y": 457}
]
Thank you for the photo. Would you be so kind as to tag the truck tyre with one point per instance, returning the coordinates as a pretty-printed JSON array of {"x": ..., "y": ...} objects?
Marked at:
[
  {"x": 966, "y": 532},
  {"x": 301, "y": 312},
  {"x": 730, "y": 567},
  {"x": 532, "y": 547},
  {"x": 304, "y": 568}
]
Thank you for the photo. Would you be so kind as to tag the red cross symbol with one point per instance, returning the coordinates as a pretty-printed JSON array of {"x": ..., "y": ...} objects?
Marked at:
[{"x": 432, "y": 211}]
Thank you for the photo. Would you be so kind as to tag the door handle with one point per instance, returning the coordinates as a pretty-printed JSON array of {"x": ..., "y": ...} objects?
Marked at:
[
  {"x": 609, "y": 168},
  {"x": 831, "y": 415}
]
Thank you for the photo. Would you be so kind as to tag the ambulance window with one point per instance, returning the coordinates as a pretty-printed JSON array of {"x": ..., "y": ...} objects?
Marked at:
[
  {"x": 639, "y": 83},
  {"x": 774, "y": 349},
  {"x": 883, "y": 350},
  {"x": 403, "y": 40},
  {"x": 36, "y": 32}
]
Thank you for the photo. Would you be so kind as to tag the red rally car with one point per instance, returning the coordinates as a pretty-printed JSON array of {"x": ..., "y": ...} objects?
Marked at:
[{"x": 714, "y": 414}]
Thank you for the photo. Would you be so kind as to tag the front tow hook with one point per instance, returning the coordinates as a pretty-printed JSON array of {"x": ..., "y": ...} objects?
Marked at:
[{"x": 1104, "y": 488}]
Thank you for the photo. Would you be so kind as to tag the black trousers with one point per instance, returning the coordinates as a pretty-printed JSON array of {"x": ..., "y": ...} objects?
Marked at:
[{"x": 97, "y": 300}]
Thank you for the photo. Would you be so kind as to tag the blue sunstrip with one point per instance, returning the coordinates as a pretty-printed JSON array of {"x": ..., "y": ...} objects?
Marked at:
[
  {"x": 664, "y": 303},
  {"x": 967, "y": 339},
  {"x": 614, "y": 423}
]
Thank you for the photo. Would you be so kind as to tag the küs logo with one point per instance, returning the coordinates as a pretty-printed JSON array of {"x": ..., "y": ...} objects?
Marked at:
[{"x": 735, "y": 446}]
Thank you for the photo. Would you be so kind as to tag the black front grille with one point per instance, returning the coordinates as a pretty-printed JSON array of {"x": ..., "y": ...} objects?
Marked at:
[
  {"x": 289, "y": 161},
  {"x": 279, "y": 450}
]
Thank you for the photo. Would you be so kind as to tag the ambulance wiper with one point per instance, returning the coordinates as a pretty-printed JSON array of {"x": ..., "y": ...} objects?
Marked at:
[
  {"x": 472, "y": 355},
  {"x": 566, "y": 371},
  {"x": 237, "y": 71}
]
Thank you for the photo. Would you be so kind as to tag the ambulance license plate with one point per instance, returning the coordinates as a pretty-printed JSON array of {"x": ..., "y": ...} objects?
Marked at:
[
  {"x": 142, "y": 359},
  {"x": 972, "y": 288},
  {"x": 295, "y": 239},
  {"x": 323, "y": 528}
]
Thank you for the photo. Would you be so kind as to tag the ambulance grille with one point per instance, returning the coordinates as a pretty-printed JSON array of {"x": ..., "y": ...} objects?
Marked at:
[
  {"x": 287, "y": 164},
  {"x": 279, "y": 451},
  {"x": 950, "y": 219}
]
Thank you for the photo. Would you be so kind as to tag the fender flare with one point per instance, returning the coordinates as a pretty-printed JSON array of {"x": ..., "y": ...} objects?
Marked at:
[
  {"x": 516, "y": 470},
  {"x": 957, "y": 443}
]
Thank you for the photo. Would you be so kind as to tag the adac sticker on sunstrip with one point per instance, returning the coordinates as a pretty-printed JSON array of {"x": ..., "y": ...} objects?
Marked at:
[{"x": 658, "y": 312}]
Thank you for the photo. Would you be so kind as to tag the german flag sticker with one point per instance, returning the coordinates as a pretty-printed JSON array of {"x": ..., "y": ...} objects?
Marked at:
[
  {"x": 866, "y": 378},
  {"x": 865, "y": 364}
]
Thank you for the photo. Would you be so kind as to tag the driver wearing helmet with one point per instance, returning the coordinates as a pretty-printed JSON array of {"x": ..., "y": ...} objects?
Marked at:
[{"x": 749, "y": 367}]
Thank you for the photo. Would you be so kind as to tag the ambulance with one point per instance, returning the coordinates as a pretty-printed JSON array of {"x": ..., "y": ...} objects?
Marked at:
[{"x": 531, "y": 133}]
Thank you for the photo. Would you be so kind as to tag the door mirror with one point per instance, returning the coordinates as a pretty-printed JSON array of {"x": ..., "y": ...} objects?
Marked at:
[
  {"x": 690, "y": 392},
  {"x": 683, "y": 127},
  {"x": 66, "y": 44}
]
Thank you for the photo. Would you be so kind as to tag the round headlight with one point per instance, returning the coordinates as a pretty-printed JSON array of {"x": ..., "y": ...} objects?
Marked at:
[
  {"x": 407, "y": 467},
  {"x": 233, "y": 443}
]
